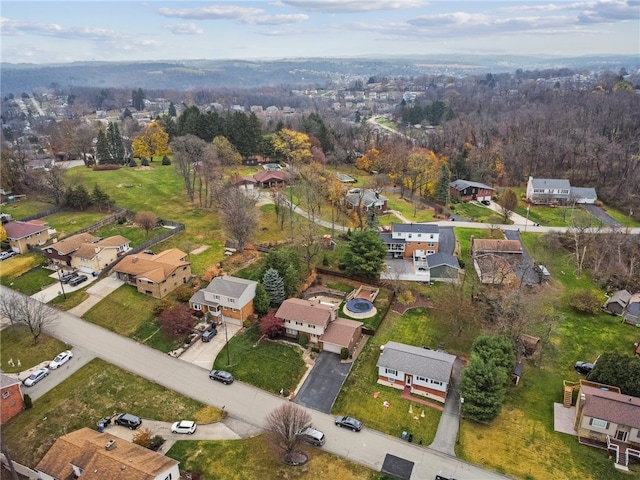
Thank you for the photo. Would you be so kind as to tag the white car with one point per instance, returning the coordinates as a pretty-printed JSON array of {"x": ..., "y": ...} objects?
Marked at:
[
  {"x": 184, "y": 426},
  {"x": 61, "y": 359},
  {"x": 36, "y": 376}
]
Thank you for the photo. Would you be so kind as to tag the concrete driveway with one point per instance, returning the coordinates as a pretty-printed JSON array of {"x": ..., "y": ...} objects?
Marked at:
[
  {"x": 56, "y": 289},
  {"x": 320, "y": 389},
  {"x": 203, "y": 354},
  {"x": 96, "y": 293}
]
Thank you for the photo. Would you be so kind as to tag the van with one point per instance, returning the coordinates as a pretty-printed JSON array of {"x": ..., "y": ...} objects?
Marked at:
[{"x": 312, "y": 436}]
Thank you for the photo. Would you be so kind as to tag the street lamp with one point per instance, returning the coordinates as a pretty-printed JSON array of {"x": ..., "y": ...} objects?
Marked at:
[{"x": 526, "y": 221}]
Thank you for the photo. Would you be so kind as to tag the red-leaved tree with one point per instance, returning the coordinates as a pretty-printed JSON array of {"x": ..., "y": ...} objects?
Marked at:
[
  {"x": 177, "y": 321},
  {"x": 271, "y": 326}
]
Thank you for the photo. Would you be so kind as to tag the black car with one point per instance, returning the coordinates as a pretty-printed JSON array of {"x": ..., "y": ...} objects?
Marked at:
[
  {"x": 486, "y": 202},
  {"x": 127, "y": 420},
  {"x": 77, "y": 280},
  {"x": 67, "y": 277},
  {"x": 349, "y": 422},
  {"x": 209, "y": 334},
  {"x": 221, "y": 376},
  {"x": 583, "y": 368}
]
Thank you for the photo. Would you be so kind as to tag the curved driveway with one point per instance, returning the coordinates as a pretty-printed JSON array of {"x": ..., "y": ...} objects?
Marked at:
[{"x": 250, "y": 404}]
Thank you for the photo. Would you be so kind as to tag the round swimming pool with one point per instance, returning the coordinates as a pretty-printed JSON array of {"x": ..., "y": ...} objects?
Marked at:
[{"x": 359, "y": 305}]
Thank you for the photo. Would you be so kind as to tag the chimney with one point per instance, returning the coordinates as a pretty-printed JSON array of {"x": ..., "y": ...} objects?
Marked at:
[
  {"x": 134, "y": 259},
  {"x": 111, "y": 444},
  {"x": 97, "y": 249},
  {"x": 381, "y": 349}
]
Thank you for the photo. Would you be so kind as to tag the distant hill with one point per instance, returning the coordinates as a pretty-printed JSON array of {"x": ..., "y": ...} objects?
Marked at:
[{"x": 190, "y": 74}]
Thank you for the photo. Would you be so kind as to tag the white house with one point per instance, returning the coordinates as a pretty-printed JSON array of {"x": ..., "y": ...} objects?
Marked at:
[
  {"x": 417, "y": 370},
  {"x": 231, "y": 297}
]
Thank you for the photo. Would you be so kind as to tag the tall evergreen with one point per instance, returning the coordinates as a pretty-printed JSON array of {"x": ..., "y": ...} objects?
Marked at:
[
  {"x": 115, "y": 143},
  {"x": 274, "y": 286},
  {"x": 442, "y": 187},
  {"x": 102, "y": 148}
]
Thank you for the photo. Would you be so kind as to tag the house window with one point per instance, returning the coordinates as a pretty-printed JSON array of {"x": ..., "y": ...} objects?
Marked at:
[
  {"x": 435, "y": 382},
  {"x": 216, "y": 297},
  {"x": 234, "y": 309},
  {"x": 431, "y": 236},
  {"x": 389, "y": 371},
  {"x": 431, "y": 244},
  {"x": 422, "y": 379},
  {"x": 168, "y": 477},
  {"x": 6, "y": 394},
  {"x": 409, "y": 236},
  {"x": 197, "y": 306},
  {"x": 299, "y": 324},
  {"x": 225, "y": 308},
  {"x": 311, "y": 326},
  {"x": 232, "y": 300},
  {"x": 149, "y": 282},
  {"x": 291, "y": 331},
  {"x": 596, "y": 422}
]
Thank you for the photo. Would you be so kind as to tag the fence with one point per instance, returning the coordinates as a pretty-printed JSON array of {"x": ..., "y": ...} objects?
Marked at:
[
  {"x": 120, "y": 212},
  {"x": 19, "y": 468},
  {"x": 51, "y": 211}
]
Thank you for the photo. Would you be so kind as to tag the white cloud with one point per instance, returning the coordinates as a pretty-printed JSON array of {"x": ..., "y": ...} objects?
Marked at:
[
  {"x": 216, "y": 12},
  {"x": 353, "y": 6},
  {"x": 282, "y": 19},
  {"x": 184, "y": 29}
]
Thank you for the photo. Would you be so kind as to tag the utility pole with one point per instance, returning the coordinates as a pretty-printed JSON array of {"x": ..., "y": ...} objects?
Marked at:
[{"x": 61, "y": 284}]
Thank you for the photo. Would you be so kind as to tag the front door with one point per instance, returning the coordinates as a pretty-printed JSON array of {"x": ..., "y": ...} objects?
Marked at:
[
  {"x": 621, "y": 435},
  {"x": 407, "y": 379}
]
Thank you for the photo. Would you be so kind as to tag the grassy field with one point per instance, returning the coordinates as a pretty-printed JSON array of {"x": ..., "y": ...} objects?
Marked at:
[
  {"x": 257, "y": 458},
  {"x": 17, "y": 344},
  {"x": 68, "y": 222},
  {"x": 265, "y": 364},
  {"x": 96, "y": 390},
  {"x": 477, "y": 213},
  {"x": 24, "y": 273},
  {"x": 26, "y": 208},
  {"x": 414, "y": 211}
]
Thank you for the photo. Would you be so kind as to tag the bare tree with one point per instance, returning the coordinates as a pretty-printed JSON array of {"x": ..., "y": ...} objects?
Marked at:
[
  {"x": 239, "y": 215},
  {"x": 21, "y": 309},
  {"x": 188, "y": 155},
  {"x": 284, "y": 424},
  {"x": 508, "y": 202},
  {"x": 146, "y": 220}
]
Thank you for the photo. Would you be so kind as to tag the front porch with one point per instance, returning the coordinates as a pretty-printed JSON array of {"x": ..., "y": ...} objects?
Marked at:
[{"x": 622, "y": 452}]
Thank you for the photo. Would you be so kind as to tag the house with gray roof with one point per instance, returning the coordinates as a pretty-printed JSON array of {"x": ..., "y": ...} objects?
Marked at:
[
  {"x": 466, "y": 190},
  {"x": 416, "y": 370},
  {"x": 584, "y": 195},
  {"x": 607, "y": 419},
  {"x": 365, "y": 199},
  {"x": 227, "y": 298},
  {"x": 548, "y": 190}
]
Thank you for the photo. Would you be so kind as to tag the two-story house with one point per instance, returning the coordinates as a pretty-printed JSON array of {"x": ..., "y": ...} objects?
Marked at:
[
  {"x": 87, "y": 253},
  {"x": 226, "y": 296},
  {"x": 89, "y": 454},
  {"x": 22, "y": 234},
  {"x": 416, "y": 370},
  {"x": 607, "y": 419},
  {"x": 412, "y": 240},
  {"x": 548, "y": 190},
  {"x": 155, "y": 275},
  {"x": 11, "y": 398},
  {"x": 59, "y": 253},
  {"x": 467, "y": 191},
  {"x": 319, "y": 321}
]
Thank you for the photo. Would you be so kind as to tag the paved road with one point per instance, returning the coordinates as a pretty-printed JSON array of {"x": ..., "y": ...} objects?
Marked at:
[{"x": 251, "y": 405}]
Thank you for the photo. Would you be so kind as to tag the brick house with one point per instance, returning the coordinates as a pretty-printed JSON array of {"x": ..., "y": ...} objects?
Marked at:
[
  {"x": 11, "y": 398},
  {"x": 226, "y": 296},
  {"x": 89, "y": 454},
  {"x": 155, "y": 275},
  {"x": 22, "y": 234},
  {"x": 272, "y": 178},
  {"x": 366, "y": 200},
  {"x": 59, "y": 252},
  {"x": 417, "y": 370},
  {"x": 467, "y": 191}
]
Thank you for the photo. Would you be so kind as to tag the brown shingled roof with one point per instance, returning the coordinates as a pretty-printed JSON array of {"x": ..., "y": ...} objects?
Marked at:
[
  {"x": 340, "y": 332},
  {"x": 268, "y": 175},
  {"x": 85, "y": 448},
  {"x": 114, "y": 241},
  {"x": 69, "y": 244},
  {"x": 489, "y": 245},
  {"x": 611, "y": 406},
  {"x": 300, "y": 310},
  {"x": 153, "y": 267}
]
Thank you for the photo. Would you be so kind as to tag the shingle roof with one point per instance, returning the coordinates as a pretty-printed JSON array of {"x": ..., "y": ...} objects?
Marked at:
[
  {"x": 621, "y": 297},
  {"x": 551, "y": 183},
  {"x": 415, "y": 227},
  {"x": 306, "y": 311},
  {"x": 611, "y": 406},
  {"x": 73, "y": 242},
  {"x": 85, "y": 448},
  {"x": 114, "y": 241},
  {"x": 340, "y": 331},
  {"x": 153, "y": 267},
  {"x": 229, "y": 286},
  {"x": 462, "y": 184},
  {"x": 438, "y": 259},
  {"x": 490, "y": 245},
  {"x": 417, "y": 361},
  {"x": 587, "y": 193},
  {"x": 17, "y": 230},
  {"x": 368, "y": 197},
  {"x": 7, "y": 381},
  {"x": 267, "y": 175}
]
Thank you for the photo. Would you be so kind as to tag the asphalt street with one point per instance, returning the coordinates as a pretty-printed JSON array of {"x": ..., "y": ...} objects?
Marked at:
[{"x": 250, "y": 405}]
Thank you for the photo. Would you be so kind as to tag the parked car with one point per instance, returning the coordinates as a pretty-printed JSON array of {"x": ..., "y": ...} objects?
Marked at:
[
  {"x": 36, "y": 376},
  {"x": 61, "y": 359},
  {"x": 583, "y": 368},
  {"x": 221, "y": 376},
  {"x": 349, "y": 422},
  {"x": 4, "y": 255},
  {"x": 184, "y": 426},
  {"x": 312, "y": 436},
  {"x": 486, "y": 202},
  {"x": 67, "y": 277},
  {"x": 77, "y": 280},
  {"x": 209, "y": 334},
  {"x": 127, "y": 420}
]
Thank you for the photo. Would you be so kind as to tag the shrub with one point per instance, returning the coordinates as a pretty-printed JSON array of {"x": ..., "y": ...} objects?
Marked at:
[
  {"x": 133, "y": 163},
  {"x": 406, "y": 297},
  {"x": 344, "y": 353},
  {"x": 210, "y": 273},
  {"x": 183, "y": 293},
  {"x": 156, "y": 442},
  {"x": 144, "y": 162},
  {"x": 586, "y": 301},
  {"x": 28, "y": 403},
  {"x": 166, "y": 160},
  {"x": 161, "y": 307},
  {"x": 303, "y": 339},
  {"x": 315, "y": 349},
  {"x": 271, "y": 326},
  {"x": 325, "y": 260},
  {"x": 142, "y": 437},
  {"x": 106, "y": 166}
]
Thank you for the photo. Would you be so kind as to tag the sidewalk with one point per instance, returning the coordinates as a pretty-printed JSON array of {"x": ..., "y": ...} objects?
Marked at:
[{"x": 96, "y": 293}]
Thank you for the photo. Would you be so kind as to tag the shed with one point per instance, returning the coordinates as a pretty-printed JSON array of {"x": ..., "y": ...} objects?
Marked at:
[{"x": 517, "y": 373}]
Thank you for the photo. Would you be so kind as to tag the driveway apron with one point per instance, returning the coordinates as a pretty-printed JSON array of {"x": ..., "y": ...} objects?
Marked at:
[{"x": 321, "y": 388}]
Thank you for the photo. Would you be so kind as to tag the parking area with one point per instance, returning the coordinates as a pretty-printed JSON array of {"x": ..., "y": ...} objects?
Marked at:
[
  {"x": 323, "y": 383},
  {"x": 203, "y": 354}
]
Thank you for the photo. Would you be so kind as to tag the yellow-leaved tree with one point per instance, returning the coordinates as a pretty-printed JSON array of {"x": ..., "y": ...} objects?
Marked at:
[
  {"x": 152, "y": 141},
  {"x": 293, "y": 146}
]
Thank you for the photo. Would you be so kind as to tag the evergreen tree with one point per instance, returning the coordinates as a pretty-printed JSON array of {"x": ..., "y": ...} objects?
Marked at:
[
  {"x": 100, "y": 198},
  {"x": 115, "y": 143},
  {"x": 274, "y": 286},
  {"x": 261, "y": 301},
  {"x": 102, "y": 148},
  {"x": 286, "y": 261},
  {"x": 372, "y": 220},
  {"x": 77, "y": 198},
  {"x": 365, "y": 254},
  {"x": 137, "y": 99},
  {"x": 483, "y": 390},
  {"x": 442, "y": 187},
  {"x": 172, "y": 110},
  {"x": 127, "y": 114}
]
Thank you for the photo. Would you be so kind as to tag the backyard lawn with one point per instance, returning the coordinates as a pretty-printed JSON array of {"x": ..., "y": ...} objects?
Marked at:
[
  {"x": 67, "y": 222},
  {"x": 96, "y": 390},
  {"x": 26, "y": 208},
  {"x": 24, "y": 273}
]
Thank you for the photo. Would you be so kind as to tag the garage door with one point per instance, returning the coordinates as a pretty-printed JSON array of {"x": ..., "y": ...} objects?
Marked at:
[
  {"x": 232, "y": 321},
  {"x": 86, "y": 270},
  {"x": 331, "y": 347}
]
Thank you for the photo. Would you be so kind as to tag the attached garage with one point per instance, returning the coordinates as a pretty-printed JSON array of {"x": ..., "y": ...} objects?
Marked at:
[{"x": 341, "y": 333}]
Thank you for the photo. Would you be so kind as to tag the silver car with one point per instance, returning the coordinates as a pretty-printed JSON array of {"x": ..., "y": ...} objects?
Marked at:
[{"x": 36, "y": 376}]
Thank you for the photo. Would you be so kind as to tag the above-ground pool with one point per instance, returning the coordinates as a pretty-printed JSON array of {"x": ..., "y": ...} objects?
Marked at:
[{"x": 359, "y": 306}]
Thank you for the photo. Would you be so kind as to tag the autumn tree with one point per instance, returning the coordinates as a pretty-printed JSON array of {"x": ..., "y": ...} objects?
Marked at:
[
  {"x": 188, "y": 152},
  {"x": 146, "y": 220},
  {"x": 152, "y": 141},
  {"x": 239, "y": 215},
  {"x": 293, "y": 147},
  {"x": 284, "y": 425},
  {"x": 225, "y": 152},
  {"x": 271, "y": 326},
  {"x": 177, "y": 321},
  {"x": 508, "y": 202},
  {"x": 3, "y": 233}
]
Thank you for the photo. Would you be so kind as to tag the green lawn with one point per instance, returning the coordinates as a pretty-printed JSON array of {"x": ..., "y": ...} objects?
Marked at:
[
  {"x": 24, "y": 273},
  {"x": 477, "y": 213},
  {"x": 414, "y": 211},
  {"x": 68, "y": 222},
  {"x": 130, "y": 231},
  {"x": 96, "y": 390},
  {"x": 17, "y": 344},
  {"x": 26, "y": 208},
  {"x": 268, "y": 365}
]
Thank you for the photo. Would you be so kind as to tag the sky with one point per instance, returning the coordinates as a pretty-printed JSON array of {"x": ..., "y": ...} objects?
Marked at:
[{"x": 54, "y": 31}]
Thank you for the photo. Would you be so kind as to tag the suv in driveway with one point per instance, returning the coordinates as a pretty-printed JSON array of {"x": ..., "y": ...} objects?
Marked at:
[
  {"x": 67, "y": 277},
  {"x": 127, "y": 420},
  {"x": 209, "y": 334},
  {"x": 77, "y": 280}
]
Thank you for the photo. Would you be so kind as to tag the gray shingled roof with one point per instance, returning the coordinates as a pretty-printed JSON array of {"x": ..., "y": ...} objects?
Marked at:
[
  {"x": 229, "y": 286},
  {"x": 415, "y": 227},
  {"x": 388, "y": 238},
  {"x": 440, "y": 258},
  {"x": 551, "y": 183},
  {"x": 369, "y": 197},
  {"x": 586, "y": 193},
  {"x": 417, "y": 361},
  {"x": 462, "y": 184}
]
